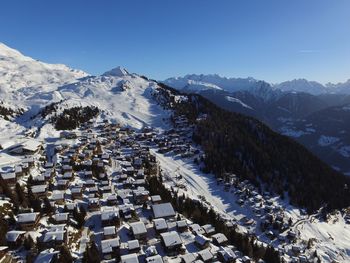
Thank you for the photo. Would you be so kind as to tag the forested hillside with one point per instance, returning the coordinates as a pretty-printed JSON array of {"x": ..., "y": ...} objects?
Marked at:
[{"x": 234, "y": 143}]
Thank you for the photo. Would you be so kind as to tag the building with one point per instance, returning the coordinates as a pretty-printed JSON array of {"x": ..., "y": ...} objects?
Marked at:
[
  {"x": 164, "y": 210},
  {"x": 138, "y": 230},
  {"x": 160, "y": 225},
  {"x": 27, "y": 221},
  {"x": 171, "y": 241},
  {"x": 110, "y": 248},
  {"x": 130, "y": 258}
]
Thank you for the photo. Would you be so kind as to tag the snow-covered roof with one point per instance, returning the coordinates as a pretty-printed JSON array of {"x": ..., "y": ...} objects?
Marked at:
[
  {"x": 205, "y": 254},
  {"x": 130, "y": 258},
  {"x": 201, "y": 240},
  {"x": 109, "y": 230},
  {"x": 46, "y": 256},
  {"x": 12, "y": 236},
  {"x": 54, "y": 236},
  {"x": 160, "y": 224},
  {"x": 154, "y": 259},
  {"x": 171, "y": 239},
  {"x": 163, "y": 210},
  {"x": 133, "y": 244},
  {"x": 27, "y": 217},
  {"x": 108, "y": 245},
  {"x": 38, "y": 189},
  {"x": 138, "y": 228},
  {"x": 220, "y": 238}
]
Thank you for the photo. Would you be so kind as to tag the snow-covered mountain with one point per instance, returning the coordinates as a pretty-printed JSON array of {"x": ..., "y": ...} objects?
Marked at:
[
  {"x": 194, "y": 82},
  {"x": 198, "y": 83},
  {"x": 20, "y": 74},
  {"x": 302, "y": 85}
]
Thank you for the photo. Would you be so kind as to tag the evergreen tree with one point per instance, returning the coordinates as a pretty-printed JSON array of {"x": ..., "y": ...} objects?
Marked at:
[{"x": 65, "y": 255}]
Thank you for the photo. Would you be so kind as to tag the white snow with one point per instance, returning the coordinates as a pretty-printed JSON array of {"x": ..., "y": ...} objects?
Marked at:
[
  {"x": 345, "y": 151},
  {"x": 235, "y": 100},
  {"x": 327, "y": 140},
  {"x": 18, "y": 72}
]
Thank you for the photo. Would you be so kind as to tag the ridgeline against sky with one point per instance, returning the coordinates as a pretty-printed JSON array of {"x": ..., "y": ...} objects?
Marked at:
[{"x": 272, "y": 40}]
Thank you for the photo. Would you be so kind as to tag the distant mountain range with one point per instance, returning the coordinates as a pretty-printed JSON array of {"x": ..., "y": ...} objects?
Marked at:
[
  {"x": 315, "y": 115},
  {"x": 194, "y": 82}
]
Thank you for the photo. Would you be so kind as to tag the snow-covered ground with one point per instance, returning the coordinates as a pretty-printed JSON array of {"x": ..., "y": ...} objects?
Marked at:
[
  {"x": 332, "y": 239},
  {"x": 127, "y": 99}
]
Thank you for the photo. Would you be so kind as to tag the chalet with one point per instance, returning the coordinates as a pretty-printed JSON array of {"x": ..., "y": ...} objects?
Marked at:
[
  {"x": 160, "y": 225},
  {"x": 164, "y": 210},
  {"x": 126, "y": 211},
  {"x": 27, "y": 147},
  {"x": 171, "y": 241},
  {"x": 88, "y": 174},
  {"x": 154, "y": 259},
  {"x": 208, "y": 229},
  {"x": 205, "y": 255},
  {"x": 19, "y": 171},
  {"x": 89, "y": 183},
  {"x": 110, "y": 248},
  {"x": 60, "y": 218},
  {"x": 140, "y": 195},
  {"x": 122, "y": 177},
  {"x": 57, "y": 197},
  {"x": 68, "y": 176},
  {"x": 130, "y": 258},
  {"x": 94, "y": 204},
  {"x": 15, "y": 238},
  {"x": 62, "y": 184},
  {"x": 156, "y": 199},
  {"x": 110, "y": 217},
  {"x": 77, "y": 193},
  {"x": 197, "y": 229},
  {"x": 140, "y": 174},
  {"x": 39, "y": 180},
  {"x": 189, "y": 258},
  {"x": 27, "y": 221},
  {"x": 39, "y": 191},
  {"x": 219, "y": 239},
  {"x": 54, "y": 239},
  {"x": 201, "y": 241},
  {"x": 226, "y": 255},
  {"x": 68, "y": 135},
  {"x": 9, "y": 178},
  {"x": 112, "y": 200},
  {"x": 110, "y": 232},
  {"x": 139, "y": 230},
  {"x": 133, "y": 246},
  {"x": 296, "y": 249},
  {"x": 181, "y": 225},
  {"x": 246, "y": 259},
  {"x": 69, "y": 207},
  {"x": 47, "y": 256}
]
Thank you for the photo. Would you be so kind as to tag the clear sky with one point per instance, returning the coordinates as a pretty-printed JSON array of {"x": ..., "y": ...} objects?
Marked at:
[{"x": 274, "y": 40}]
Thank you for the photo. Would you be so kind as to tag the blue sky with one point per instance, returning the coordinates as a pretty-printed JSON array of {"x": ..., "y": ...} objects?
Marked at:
[{"x": 274, "y": 40}]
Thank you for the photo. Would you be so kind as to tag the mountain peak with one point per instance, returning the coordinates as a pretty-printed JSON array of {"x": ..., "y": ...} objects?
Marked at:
[
  {"x": 116, "y": 72},
  {"x": 6, "y": 51}
]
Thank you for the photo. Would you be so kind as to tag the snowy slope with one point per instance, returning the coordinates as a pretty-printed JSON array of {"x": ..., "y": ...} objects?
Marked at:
[{"x": 21, "y": 76}]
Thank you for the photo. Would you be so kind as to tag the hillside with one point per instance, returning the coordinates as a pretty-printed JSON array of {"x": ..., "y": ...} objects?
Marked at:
[{"x": 238, "y": 144}]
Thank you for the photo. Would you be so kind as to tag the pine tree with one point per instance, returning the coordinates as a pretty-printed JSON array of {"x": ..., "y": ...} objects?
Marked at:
[{"x": 65, "y": 255}]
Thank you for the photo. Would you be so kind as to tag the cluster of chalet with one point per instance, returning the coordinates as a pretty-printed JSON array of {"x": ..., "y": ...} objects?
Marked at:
[
  {"x": 102, "y": 170},
  {"x": 177, "y": 140}
]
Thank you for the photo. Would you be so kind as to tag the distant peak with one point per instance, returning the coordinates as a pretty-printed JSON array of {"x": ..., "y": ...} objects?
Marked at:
[{"x": 116, "y": 72}]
